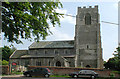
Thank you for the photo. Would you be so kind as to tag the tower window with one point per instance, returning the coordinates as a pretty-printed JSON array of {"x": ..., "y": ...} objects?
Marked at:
[{"x": 87, "y": 19}]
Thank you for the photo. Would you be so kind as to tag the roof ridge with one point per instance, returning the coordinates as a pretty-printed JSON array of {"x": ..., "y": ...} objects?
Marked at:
[
  {"x": 20, "y": 50},
  {"x": 55, "y": 41}
]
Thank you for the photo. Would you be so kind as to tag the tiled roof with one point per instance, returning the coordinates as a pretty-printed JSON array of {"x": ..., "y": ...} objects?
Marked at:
[
  {"x": 52, "y": 44},
  {"x": 19, "y": 53},
  {"x": 37, "y": 56}
]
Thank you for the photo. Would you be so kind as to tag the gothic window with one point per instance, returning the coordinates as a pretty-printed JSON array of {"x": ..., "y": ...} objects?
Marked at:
[
  {"x": 88, "y": 66},
  {"x": 18, "y": 63},
  {"x": 65, "y": 51},
  {"x": 49, "y": 63},
  {"x": 27, "y": 63},
  {"x": 58, "y": 63},
  {"x": 87, "y": 19},
  {"x": 45, "y": 51},
  {"x": 36, "y": 52},
  {"x": 38, "y": 63},
  {"x": 56, "y": 52}
]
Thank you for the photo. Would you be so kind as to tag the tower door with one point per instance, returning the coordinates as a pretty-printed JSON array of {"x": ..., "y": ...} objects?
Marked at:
[{"x": 58, "y": 63}]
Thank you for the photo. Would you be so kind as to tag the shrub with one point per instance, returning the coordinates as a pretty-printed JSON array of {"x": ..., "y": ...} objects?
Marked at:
[
  {"x": 112, "y": 75},
  {"x": 4, "y": 62}
]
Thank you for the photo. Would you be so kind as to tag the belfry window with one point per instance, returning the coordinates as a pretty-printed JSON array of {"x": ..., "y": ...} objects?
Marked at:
[{"x": 87, "y": 19}]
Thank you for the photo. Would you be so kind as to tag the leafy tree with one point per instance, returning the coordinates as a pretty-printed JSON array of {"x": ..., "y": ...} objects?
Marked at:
[
  {"x": 13, "y": 49},
  {"x": 117, "y": 53},
  {"x": 0, "y": 62},
  {"x": 4, "y": 62},
  {"x": 6, "y": 52},
  {"x": 114, "y": 63},
  {"x": 26, "y": 19}
]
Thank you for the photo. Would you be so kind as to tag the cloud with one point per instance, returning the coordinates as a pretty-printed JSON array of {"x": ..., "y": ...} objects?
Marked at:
[
  {"x": 59, "y": 34},
  {"x": 115, "y": 5},
  {"x": 68, "y": 19}
]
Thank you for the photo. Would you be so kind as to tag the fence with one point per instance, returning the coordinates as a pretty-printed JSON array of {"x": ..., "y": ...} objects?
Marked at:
[{"x": 67, "y": 70}]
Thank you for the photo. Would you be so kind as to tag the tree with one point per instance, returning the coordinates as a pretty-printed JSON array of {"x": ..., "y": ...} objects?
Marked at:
[
  {"x": 4, "y": 62},
  {"x": 6, "y": 53},
  {"x": 26, "y": 19},
  {"x": 114, "y": 63},
  {"x": 0, "y": 62}
]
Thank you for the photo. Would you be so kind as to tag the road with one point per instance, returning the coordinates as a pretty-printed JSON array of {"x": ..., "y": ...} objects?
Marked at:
[{"x": 23, "y": 77}]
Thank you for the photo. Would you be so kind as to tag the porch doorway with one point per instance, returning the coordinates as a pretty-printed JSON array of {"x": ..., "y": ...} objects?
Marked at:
[{"x": 58, "y": 63}]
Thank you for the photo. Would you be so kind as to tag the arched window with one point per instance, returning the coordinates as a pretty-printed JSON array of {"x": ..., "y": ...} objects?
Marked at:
[
  {"x": 58, "y": 63},
  {"x": 65, "y": 51},
  {"x": 87, "y": 19},
  {"x": 49, "y": 63},
  {"x": 45, "y": 51},
  {"x": 38, "y": 63},
  {"x": 56, "y": 52},
  {"x": 88, "y": 66}
]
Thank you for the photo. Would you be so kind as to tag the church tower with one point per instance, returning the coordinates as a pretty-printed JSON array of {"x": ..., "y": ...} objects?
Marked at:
[{"x": 87, "y": 38}]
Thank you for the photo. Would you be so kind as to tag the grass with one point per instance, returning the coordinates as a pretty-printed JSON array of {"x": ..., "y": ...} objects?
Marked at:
[
  {"x": 107, "y": 78},
  {"x": 16, "y": 73},
  {"x": 59, "y": 76},
  {"x": 116, "y": 72}
]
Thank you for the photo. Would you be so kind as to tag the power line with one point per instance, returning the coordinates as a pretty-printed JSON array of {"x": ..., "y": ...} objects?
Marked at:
[
  {"x": 101, "y": 21},
  {"x": 109, "y": 22}
]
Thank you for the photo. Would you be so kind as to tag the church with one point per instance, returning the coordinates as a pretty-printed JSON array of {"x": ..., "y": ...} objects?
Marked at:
[{"x": 84, "y": 51}]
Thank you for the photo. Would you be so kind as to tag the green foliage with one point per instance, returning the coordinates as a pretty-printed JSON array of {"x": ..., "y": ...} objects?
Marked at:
[
  {"x": 117, "y": 52},
  {"x": 59, "y": 76},
  {"x": 26, "y": 19},
  {"x": 16, "y": 73},
  {"x": 4, "y": 62},
  {"x": 0, "y": 62},
  {"x": 6, "y": 52},
  {"x": 114, "y": 63},
  {"x": 112, "y": 75},
  {"x": 107, "y": 78}
]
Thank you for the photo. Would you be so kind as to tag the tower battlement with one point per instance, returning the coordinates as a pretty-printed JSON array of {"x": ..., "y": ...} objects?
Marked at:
[{"x": 96, "y": 6}]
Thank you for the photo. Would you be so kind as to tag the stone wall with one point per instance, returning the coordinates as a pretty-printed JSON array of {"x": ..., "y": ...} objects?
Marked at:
[
  {"x": 67, "y": 70},
  {"x": 88, "y": 38},
  {"x": 50, "y": 52},
  {"x": 5, "y": 70}
]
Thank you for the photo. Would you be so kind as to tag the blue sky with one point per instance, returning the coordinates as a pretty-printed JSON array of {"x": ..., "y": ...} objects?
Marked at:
[{"x": 109, "y": 33}]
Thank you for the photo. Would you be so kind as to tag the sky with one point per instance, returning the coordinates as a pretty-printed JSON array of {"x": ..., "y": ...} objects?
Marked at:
[{"x": 109, "y": 32}]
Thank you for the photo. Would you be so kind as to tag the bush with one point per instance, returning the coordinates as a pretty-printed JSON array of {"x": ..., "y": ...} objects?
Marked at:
[
  {"x": 4, "y": 62},
  {"x": 112, "y": 75},
  {"x": 0, "y": 62}
]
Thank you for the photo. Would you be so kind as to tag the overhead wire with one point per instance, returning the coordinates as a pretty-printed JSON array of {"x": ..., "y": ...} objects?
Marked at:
[{"x": 101, "y": 21}]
